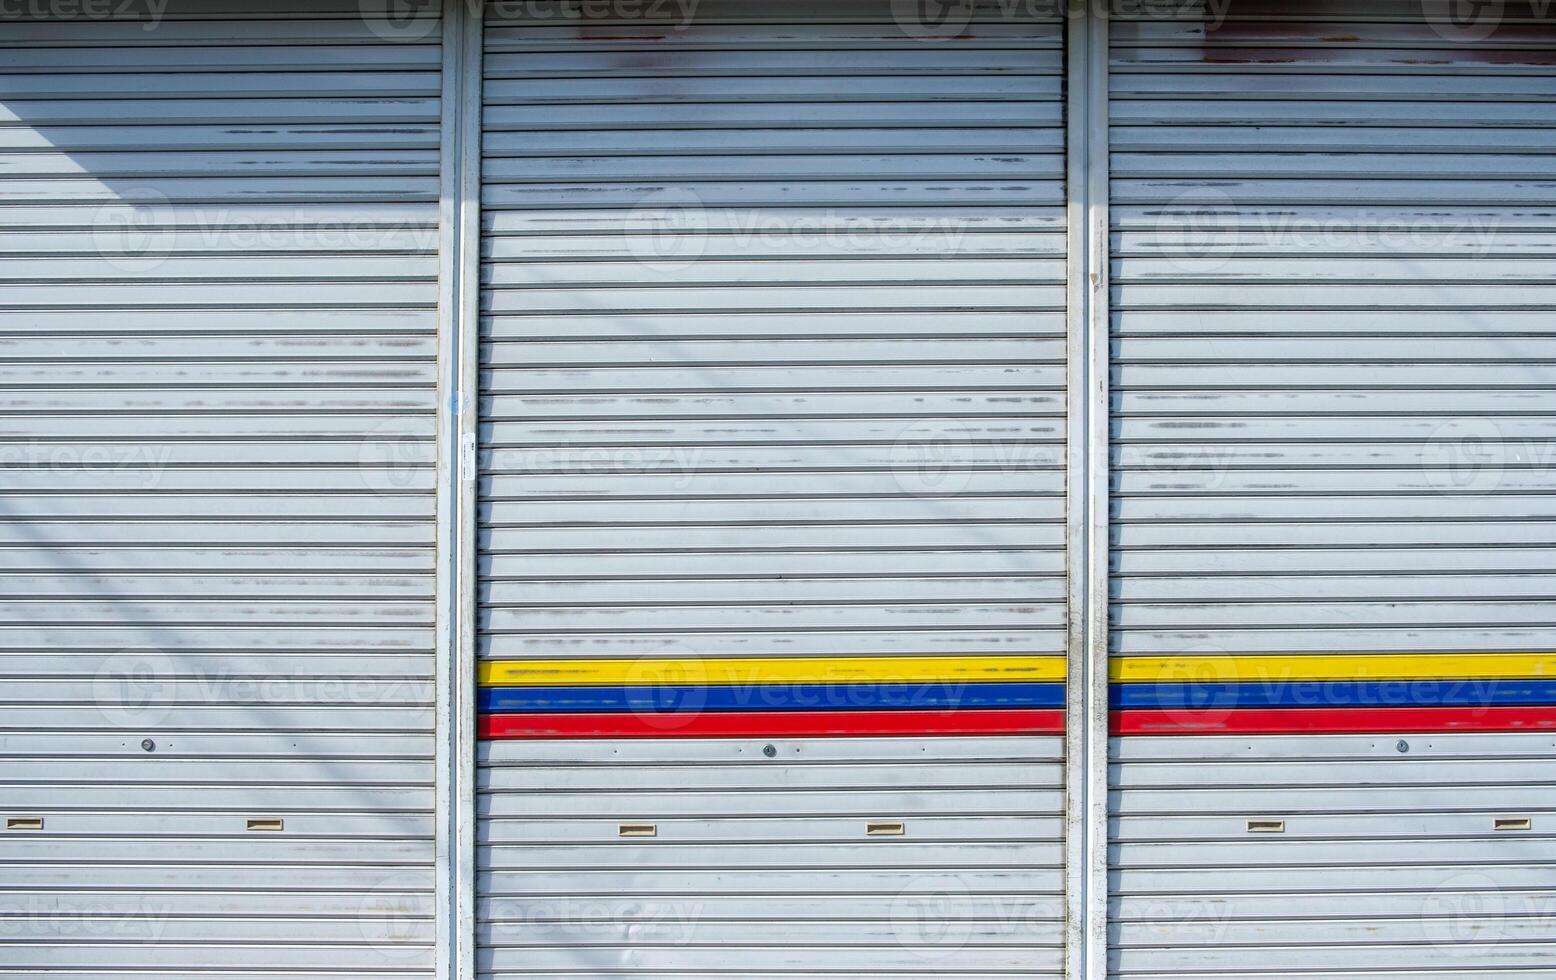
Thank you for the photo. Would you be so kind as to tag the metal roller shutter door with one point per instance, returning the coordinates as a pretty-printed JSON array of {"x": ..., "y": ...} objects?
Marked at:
[
  {"x": 1333, "y": 509},
  {"x": 216, "y": 557},
  {"x": 773, "y": 363}
]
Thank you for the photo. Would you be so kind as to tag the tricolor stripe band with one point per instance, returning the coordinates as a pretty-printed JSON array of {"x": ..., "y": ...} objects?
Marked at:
[
  {"x": 773, "y": 724},
  {"x": 1331, "y": 667},
  {"x": 1040, "y": 721},
  {"x": 950, "y": 695},
  {"x": 772, "y": 696},
  {"x": 682, "y": 698},
  {"x": 1333, "y": 694},
  {"x": 1332, "y": 721},
  {"x": 736, "y": 671}
]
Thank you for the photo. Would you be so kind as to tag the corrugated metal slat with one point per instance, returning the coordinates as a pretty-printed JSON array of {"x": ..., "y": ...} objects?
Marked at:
[{"x": 216, "y": 323}]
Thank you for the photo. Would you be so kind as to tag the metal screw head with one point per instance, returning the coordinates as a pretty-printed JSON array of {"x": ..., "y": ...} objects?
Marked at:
[
  {"x": 148, "y": 745},
  {"x": 769, "y": 750},
  {"x": 1402, "y": 745}
]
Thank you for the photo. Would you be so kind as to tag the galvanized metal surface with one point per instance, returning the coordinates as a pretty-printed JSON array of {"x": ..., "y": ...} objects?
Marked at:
[
  {"x": 763, "y": 866},
  {"x": 773, "y": 366},
  {"x": 774, "y": 363},
  {"x": 1318, "y": 352},
  {"x": 1087, "y": 540},
  {"x": 1332, "y": 314},
  {"x": 1388, "y": 863},
  {"x": 459, "y": 299},
  {"x": 743, "y": 433},
  {"x": 217, "y": 322}
]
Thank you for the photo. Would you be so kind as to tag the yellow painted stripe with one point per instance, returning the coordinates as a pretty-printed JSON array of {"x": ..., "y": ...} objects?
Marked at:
[
  {"x": 1331, "y": 667},
  {"x": 759, "y": 670}
]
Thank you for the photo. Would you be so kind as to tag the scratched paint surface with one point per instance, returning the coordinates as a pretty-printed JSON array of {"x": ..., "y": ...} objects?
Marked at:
[{"x": 1333, "y": 518}]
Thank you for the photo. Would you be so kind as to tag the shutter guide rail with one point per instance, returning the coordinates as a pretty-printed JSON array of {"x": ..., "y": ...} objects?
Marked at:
[
  {"x": 458, "y": 328},
  {"x": 1086, "y": 737}
]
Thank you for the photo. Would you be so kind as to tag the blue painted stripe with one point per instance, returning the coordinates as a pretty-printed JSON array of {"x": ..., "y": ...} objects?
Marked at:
[
  {"x": 1330, "y": 694},
  {"x": 776, "y": 697}
]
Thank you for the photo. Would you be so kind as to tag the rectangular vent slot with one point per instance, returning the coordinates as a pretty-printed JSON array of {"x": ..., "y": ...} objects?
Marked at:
[
  {"x": 638, "y": 830},
  {"x": 266, "y": 823},
  {"x": 886, "y": 829},
  {"x": 23, "y": 823},
  {"x": 1266, "y": 826}
]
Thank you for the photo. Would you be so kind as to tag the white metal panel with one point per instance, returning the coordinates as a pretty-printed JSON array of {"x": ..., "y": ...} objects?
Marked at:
[
  {"x": 1088, "y": 543},
  {"x": 216, "y": 429},
  {"x": 1389, "y": 863},
  {"x": 761, "y": 866},
  {"x": 1268, "y": 358},
  {"x": 773, "y": 364},
  {"x": 1333, "y": 385},
  {"x": 847, "y": 374}
]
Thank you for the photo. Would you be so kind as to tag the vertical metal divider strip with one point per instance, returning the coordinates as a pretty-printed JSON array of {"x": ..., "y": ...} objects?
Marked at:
[
  {"x": 1087, "y": 485},
  {"x": 459, "y": 243},
  {"x": 1099, "y": 487}
]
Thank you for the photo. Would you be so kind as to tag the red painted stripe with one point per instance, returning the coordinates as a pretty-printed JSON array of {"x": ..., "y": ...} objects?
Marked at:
[
  {"x": 761, "y": 724},
  {"x": 1299, "y": 721}
]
